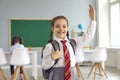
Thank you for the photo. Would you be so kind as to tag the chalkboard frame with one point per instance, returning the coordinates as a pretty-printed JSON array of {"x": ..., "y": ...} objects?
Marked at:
[{"x": 27, "y": 19}]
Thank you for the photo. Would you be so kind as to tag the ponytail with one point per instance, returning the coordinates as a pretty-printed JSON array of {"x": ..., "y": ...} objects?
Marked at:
[
  {"x": 51, "y": 37},
  {"x": 67, "y": 34}
]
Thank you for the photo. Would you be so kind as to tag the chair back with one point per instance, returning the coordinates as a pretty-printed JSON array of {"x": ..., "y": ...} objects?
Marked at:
[
  {"x": 20, "y": 56},
  {"x": 99, "y": 55},
  {"x": 3, "y": 60},
  {"x": 79, "y": 55}
]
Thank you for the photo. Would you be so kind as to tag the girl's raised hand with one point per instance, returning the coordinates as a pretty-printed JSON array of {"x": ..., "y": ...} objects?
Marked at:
[{"x": 91, "y": 12}]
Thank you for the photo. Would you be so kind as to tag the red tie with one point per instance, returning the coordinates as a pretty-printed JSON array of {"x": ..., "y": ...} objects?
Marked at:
[{"x": 67, "y": 61}]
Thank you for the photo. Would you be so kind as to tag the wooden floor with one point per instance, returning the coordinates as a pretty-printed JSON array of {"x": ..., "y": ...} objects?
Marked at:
[{"x": 113, "y": 74}]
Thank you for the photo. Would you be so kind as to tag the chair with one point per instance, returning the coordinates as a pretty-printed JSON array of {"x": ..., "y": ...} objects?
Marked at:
[
  {"x": 20, "y": 58},
  {"x": 3, "y": 61},
  {"x": 79, "y": 59},
  {"x": 99, "y": 56}
]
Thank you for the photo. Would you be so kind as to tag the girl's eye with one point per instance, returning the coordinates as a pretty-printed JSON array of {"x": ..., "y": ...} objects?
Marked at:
[
  {"x": 64, "y": 26},
  {"x": 57, "y": 26}
]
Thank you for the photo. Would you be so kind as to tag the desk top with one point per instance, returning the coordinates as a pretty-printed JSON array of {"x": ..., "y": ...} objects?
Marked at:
[
  {"x": 88, "y": 50},
  {"x": 32, "y": 52}
]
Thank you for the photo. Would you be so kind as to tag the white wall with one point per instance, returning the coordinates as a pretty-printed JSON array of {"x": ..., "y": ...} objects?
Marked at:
[{"x": 113, "y": 58}]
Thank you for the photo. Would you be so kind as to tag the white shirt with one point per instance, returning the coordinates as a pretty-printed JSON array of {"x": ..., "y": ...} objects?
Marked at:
[
  {"x": 47, "y": 62},
  {"x": 17, "y": 45}
]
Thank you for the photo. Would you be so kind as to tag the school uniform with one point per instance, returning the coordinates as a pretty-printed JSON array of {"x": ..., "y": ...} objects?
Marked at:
[
  {"x": 17, "y": 45},
  {"x": 57, "y": 73}
]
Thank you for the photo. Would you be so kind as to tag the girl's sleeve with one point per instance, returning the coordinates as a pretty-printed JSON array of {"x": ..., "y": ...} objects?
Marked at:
[
  {"x": 47, "y": 62},
  {"x": 81, "y": 41}
]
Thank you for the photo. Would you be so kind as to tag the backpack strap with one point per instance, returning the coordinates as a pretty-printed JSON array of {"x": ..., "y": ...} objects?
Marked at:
[
  {"x": 55, "y": 45},
  {"x": 73, "y": 44}
]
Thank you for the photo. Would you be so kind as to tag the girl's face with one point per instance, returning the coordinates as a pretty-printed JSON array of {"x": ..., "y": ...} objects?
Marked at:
[{"x": 60, "y": 28}]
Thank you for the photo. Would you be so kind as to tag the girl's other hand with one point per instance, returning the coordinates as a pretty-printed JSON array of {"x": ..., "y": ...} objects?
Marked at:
[{"x": 56, "y": 54}]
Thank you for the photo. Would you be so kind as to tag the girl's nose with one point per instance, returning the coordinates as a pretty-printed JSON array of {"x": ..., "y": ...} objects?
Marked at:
[{"x": 61, "y": 27}]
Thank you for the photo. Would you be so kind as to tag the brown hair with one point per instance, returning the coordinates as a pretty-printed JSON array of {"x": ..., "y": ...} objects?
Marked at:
[
  {"x": 58, "y": 17},
  {"x": 17, "y": 39},
  {"x": 52, "y": 25}
]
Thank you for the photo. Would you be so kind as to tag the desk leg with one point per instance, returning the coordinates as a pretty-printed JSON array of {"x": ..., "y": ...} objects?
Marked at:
[{"x": 34, "y": 66}]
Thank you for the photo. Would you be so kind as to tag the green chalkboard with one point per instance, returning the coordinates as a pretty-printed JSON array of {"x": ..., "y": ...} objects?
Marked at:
[{"x": 34, "y": 32}]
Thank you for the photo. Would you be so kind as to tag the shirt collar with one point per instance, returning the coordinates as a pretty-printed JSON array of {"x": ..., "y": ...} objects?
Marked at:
[
  {"x": 59, "y": 39},
  {"x": 17, "y": 43}
]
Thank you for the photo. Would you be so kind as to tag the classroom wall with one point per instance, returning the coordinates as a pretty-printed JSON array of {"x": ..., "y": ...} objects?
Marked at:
[{"x": 76, "y": 11}]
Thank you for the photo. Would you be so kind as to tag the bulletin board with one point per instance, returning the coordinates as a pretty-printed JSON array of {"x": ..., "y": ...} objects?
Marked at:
[{"x": 34, "y": 32}]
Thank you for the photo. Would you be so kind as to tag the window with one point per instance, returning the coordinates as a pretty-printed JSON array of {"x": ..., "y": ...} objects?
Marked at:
[
  {"x": 112, "y": 0},
  {"x": 114, "y": 23}
]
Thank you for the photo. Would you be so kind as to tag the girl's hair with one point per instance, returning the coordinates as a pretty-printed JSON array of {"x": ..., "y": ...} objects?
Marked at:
[
  {"x": 53, "y": 23},
  {"x": 17, "y": 39}
]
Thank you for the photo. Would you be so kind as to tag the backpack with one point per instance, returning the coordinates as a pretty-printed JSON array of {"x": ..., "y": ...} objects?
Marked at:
[{"x": 55, "y": 45}]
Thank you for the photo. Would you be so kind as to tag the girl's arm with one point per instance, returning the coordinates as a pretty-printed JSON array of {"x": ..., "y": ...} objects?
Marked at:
[
  {"x": 47, "y": 61},
  {"x": 90, "y": 31}
]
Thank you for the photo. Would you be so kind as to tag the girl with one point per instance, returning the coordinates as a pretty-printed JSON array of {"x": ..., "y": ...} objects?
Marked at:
[
  {"x": 60, "y": 30},
  {"x": 16, "y": 43}
]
